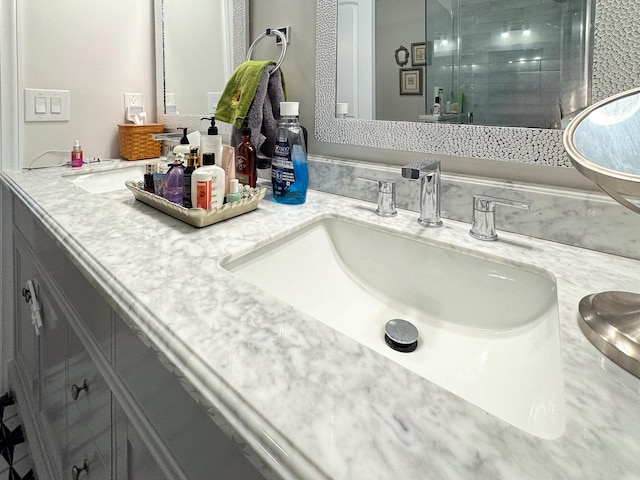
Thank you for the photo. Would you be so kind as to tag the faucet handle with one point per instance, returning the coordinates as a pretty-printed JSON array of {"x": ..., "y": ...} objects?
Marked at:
[
  {"x": 386, "y": 196},
  {"x": 483, "y": 218}
]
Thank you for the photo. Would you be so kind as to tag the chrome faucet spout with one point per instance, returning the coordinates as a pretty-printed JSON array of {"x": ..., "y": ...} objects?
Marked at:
[
  {"x": 166, "y": 136},
  {"x": 428, "y": 171}
]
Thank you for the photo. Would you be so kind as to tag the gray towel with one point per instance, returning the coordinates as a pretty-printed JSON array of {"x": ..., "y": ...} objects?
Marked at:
[{"x": 264, "y": 113}]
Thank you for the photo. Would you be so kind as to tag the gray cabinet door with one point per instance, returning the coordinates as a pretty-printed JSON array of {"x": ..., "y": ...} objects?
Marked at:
[
  {"x": 53, "y": 354},
  {"x": 26, "y": 341}
]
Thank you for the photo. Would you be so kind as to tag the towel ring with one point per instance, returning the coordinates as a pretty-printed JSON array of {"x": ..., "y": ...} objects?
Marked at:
[{"x": 270, "y": 33}]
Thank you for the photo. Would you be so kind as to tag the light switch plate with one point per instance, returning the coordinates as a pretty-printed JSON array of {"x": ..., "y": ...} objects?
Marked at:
[{"x": 38, "y": 103}]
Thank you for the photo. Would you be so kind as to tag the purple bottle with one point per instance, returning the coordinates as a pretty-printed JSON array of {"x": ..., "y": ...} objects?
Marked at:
[{"x": 174, "y": 183}]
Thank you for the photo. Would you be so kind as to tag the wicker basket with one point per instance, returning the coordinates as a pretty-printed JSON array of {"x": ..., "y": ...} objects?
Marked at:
[{"x": 136, "y": 143}]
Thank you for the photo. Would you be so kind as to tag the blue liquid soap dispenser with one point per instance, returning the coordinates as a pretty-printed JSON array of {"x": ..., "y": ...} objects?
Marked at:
[{"x": 289, "y": 168}]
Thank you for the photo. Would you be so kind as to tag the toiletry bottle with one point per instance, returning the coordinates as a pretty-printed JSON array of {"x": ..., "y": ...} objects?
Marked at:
[
  {"x": 436, "y": 106},
  {"x": 159, "y": 178},
  {"x": 289, "y": 169},
  {"x": 76, "y": 155},
  {"x": 150, "y": 169},
  {"x": 212, "y": 141},
  {"x": 228, "y": 164},
  {"x": 202, "y": 183},
  {"x": 174, "y": 183},
  {"x": 208, "y": 159},
  {"x": 192, "y": 164},
  {"x": 234, "y": 194},
  {"x": 246, "y": 168},
  {"x": 217, "y": 179},
  {"x": 182, "y": 151}
]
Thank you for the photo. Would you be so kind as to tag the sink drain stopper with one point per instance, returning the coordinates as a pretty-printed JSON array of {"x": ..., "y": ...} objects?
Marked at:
[{"x": 401, "y": 335}]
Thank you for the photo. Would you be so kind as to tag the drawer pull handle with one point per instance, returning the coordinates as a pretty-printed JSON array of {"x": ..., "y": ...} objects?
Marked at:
[
  {"x": 26, "y": 294},
  {"x": 76, "y": 471},
  {"x": 75, "y": 390}
]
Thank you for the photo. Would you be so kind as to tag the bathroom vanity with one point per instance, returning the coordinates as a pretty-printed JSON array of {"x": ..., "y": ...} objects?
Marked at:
[{"x": 191, "y": 370}]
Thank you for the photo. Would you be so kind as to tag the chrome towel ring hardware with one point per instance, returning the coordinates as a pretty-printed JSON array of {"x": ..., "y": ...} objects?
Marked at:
[{"x": 270, "y": 33}]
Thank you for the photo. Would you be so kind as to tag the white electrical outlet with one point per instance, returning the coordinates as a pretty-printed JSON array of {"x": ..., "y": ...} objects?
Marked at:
[{"x": 132, "y": 99}]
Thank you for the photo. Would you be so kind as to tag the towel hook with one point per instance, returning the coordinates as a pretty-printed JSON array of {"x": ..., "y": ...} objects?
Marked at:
[{"x": 270, "y": 33}]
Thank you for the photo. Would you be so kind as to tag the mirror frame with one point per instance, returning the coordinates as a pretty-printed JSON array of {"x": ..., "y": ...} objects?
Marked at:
[
  {"x": 240, "y": 29},
  {"x": 510, "y": 144}
]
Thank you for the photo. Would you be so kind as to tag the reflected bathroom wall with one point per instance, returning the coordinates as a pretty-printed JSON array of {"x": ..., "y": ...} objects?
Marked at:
[{"x": 521, "y": 63}]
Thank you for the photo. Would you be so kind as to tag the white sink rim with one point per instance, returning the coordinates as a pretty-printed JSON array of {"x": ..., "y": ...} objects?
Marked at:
[
  {"x": 539, "y": 407},
  {"x": 105, "y": 179}
]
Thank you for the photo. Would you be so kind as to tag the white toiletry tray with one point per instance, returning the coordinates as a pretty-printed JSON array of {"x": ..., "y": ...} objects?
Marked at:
[{"x": 198, "y": 217}]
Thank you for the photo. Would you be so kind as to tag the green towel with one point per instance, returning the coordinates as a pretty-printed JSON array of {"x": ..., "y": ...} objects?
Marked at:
[{"x": 240, "y": 90}]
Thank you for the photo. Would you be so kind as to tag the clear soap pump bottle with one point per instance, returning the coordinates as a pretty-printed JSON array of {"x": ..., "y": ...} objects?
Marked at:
[
  {"x": 174, "y": 183},
  {"x": 289, "y": 168}
]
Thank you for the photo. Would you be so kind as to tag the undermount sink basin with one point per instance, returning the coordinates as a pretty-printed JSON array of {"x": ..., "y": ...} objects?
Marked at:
[
  {"x": 487, "y": 331},
  {"x": 103, "y": 181}
]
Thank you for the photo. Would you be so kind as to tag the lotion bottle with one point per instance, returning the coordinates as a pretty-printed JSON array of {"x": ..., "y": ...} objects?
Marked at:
[
  {"x": 202, "y": 182},
  {"x": 217, "y": 179},
  {"x": 183, "y": 149},
  {"x": 212, "y": 141}
]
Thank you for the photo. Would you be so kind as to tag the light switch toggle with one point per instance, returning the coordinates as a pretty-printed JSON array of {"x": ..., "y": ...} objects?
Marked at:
[
  {"x": 40, "y": 105},
  {"x": 56, "y": 105}
]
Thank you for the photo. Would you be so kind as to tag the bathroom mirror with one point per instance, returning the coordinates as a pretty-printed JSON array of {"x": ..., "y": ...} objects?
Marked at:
[
  {"x": 524, "y": 145},
  {"x": 191, "y": 74},
  {"x": 195, "y": 76},
  {"x": 604, "y": 145},
  {"x": 495, "y": 63}
]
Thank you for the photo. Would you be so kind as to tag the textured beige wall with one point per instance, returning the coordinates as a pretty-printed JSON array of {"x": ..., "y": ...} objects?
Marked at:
[{"x": 299, "y": 66}]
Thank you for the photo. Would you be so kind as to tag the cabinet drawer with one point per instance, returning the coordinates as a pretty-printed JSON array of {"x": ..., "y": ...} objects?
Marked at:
[
  {"x": 88, "y": 412},
  {"x": 40, "y": 241}
]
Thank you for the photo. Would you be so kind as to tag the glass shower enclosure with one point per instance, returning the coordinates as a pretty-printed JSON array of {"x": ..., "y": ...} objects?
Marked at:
[{"x": 517, "y": 63}]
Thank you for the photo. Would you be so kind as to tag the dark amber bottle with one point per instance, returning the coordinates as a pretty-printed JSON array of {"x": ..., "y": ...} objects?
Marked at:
[{"x": 246, "y": 164}]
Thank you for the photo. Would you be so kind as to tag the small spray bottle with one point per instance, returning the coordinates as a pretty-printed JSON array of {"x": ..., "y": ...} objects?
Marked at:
[{"x": 76, "y": 155}]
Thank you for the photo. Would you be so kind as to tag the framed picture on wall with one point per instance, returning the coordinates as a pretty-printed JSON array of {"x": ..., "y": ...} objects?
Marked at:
[
  {"x": 420, "y": 54},
  {"x": 410, "y": 81}
]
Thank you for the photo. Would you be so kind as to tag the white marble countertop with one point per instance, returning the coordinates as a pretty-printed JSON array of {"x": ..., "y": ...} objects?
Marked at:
[{"x": 309, "y": 401}]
